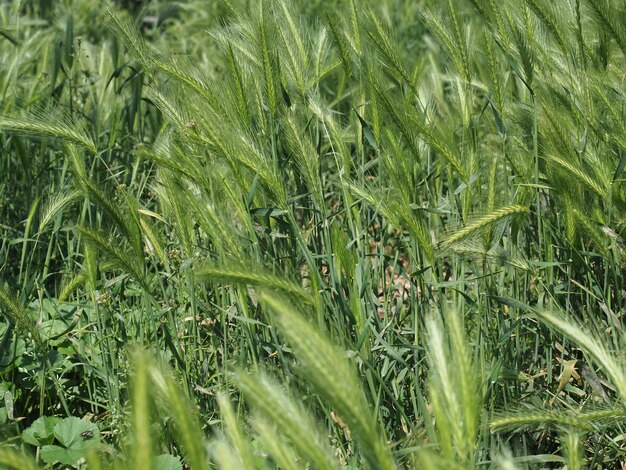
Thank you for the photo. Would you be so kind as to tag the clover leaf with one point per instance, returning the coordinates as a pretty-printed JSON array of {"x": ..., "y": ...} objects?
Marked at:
[{"x": 76, "y": 437}]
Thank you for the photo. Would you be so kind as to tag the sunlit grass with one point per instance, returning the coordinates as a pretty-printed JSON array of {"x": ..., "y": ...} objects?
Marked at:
[{"x": 343, "y": 235}]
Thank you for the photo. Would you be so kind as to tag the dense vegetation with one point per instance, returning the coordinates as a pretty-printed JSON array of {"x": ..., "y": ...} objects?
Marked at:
[{"x": 239, "y": 234}]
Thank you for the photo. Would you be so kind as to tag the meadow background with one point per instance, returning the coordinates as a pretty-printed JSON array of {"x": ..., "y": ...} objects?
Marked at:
[{"x": 312, "y": 234}]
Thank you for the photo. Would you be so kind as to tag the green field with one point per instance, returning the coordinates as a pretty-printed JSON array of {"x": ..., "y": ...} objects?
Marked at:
[{"x": 312, "y": 234}]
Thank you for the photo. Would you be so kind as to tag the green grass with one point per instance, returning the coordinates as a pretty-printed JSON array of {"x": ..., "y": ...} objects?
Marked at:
[{"x": 312, "y": 234}]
